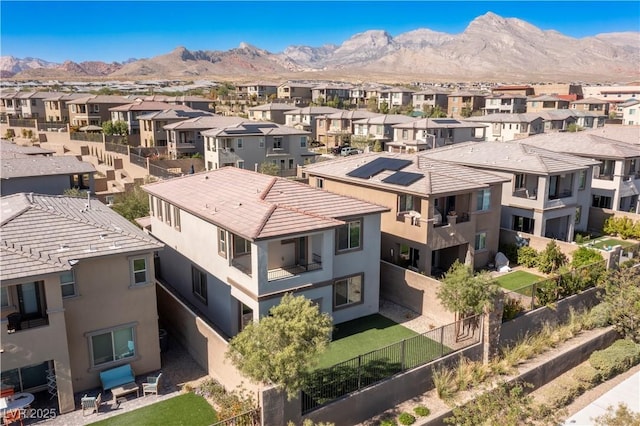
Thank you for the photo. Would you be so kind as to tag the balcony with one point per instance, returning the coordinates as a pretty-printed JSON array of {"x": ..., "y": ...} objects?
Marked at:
[
  {"x": 604, "y": 177},
  {"x": 565, "y": 193},
  {"x": 17, "y": 323},
  {"x": 293, "y": 270},
  {"x": 531, "y": 194}
]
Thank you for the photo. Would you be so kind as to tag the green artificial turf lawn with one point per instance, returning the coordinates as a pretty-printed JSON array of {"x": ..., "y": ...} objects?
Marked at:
[
  {"x": 517, "y": 280},
  {"x": 601, "y": 244},
  {"x": 366, "y": 334},
  {"x": 185, "y": 410}
]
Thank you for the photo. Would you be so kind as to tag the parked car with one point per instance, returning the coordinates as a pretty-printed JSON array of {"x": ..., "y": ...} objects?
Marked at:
[
  {"x": 349, "y": 150},
  {"x": 337, "y": 149}
]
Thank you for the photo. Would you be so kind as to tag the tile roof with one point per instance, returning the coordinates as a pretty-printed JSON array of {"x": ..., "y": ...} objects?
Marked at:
[
  {"x": 205, "y": 122},
  {"x": 584, "y": 144},
  {"x": 352, "y": 115},
  {"x": 436, "y": 123},
  {"x": 41, "y": 233},
  {"x": 145, "y": 106},
  {"x": 273, "y": 107},
  {"x": 629, "y": 134},
  {"x": 257, "y": 206},
  {"x": 7, "y": 147},
  {"x": 313, "y": 110},
  {"x": 183, "y": 113},
  {"x": 545, "y": 98},
  {"x": 590, "y": 101},
  {"x": 505, "y": 118},
  {"x": 254, "y": 128},
  {"x": 385, "y": 119},
  {"x": 437, "y": 177},
  {"x": 35, "y": 165},
  {"x": 509, "y": 156}
]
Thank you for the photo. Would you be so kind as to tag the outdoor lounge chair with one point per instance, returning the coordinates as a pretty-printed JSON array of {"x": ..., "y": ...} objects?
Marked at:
[
  {"x": 91, "y": 403},
  {"x": 152, "y": 384}
]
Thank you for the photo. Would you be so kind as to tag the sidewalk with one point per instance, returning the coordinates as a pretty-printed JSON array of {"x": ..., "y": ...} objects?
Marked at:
[{"x": 627, "y": 392}]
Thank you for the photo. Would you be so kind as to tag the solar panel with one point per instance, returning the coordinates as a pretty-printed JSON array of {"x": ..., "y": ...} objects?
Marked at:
[
  {"x": 403, "y": 178},
  {"x": 378, "y": 165}
]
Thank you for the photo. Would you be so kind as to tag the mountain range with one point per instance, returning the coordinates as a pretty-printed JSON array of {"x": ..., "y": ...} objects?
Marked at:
[{"x": 490, "y": 48}]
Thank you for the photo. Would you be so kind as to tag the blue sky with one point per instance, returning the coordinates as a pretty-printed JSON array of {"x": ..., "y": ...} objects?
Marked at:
[{"x": 117, "y": 30}]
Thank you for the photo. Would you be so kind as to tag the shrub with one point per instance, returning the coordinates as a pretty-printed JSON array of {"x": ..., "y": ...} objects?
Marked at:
[
  {"x": 620, "y": 416},
  {"x": 587, "y": 374},
  {"x": 511, "y": 251},
  {"x": 406, "y": 419},
  {"x": 512, "y": 308},
  {"x": 388, "y": 422},
  {"x": 528, "y": 256},
  {"x": 547, "y": 292},
  {"x": 445, "y": 383},
  {"x": 564, "y": 391},
  {"x": 422, "y": 411},
  {"x": 599, "y": 316},
  {"x": 585, "y": 256},
  {"x": 617, "y": 358},
  {"x": 551, "y": 258},
  {"x": 624, "y": 227}
]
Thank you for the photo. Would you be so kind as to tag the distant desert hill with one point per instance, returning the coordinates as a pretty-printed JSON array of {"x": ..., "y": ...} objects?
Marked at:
[{"x": 490, "y": 48}]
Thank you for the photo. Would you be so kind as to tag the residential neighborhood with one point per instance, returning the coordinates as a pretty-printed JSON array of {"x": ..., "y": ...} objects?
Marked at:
[{"x": 322, "y": 236}]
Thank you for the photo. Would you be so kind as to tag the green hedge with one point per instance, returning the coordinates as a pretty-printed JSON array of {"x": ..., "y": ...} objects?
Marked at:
[{"x": 615, "y": 359}]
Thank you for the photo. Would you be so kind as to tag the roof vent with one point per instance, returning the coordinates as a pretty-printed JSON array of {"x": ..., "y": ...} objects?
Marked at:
[
  {"x": 103, "y": 236},
  {"x": 63, "y": 247},
  {"x": 91, "y": 249}
]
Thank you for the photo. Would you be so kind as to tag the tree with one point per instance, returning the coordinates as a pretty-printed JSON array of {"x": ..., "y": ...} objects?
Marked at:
[
  {"x": 384, "y": 108},
  {"x": 132, "y": 204},
  {"x": 466, "y": 110},
  {"x": 283, "y": 346},
  {"x": 466, "y": 294},
  {"x": 372, "y": 104},
  {"x": 118, "y": 127},
  {"x": 622, "y": 298},
  {"x": 75, "y": 192},
  {"x": 434, "y": 112},
  {"x": 268, "y": 168},
  {"x": 551, "y": 258},
  {"x": 585, "y": 256},
  {"x": 573, "y": 127},
  {"x": 620, "y": 416}
]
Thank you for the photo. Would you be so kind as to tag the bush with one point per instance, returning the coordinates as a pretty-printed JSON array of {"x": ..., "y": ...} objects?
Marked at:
[
  {"x": 617, "y": 358},
  {"x": 511, "y": 251},
  {"x": 528, "y": 256},
  {"x": 548, "y": 292},
  {"x": 406, "y": 419},
  {"x": 551, "y": 258},
  {"x": 585, "y": 256},
  {"x": 512, "y": 308},
  {"x": 563, "y": 391},
  {"x": 388, "y": 422},
  {"x": 599, "y": 316},
  {"x": 587, "y": 374},
  {"x": 422, "y": 411},
  {"x": 445, "y": 383},
  {"x": 623, "y": 227}
]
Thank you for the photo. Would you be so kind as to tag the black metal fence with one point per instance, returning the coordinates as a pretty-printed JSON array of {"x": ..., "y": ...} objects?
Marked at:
[
  {"x": 22, "y": 122},
  {"x": 116, "y": 147},
  {"x": 328, "y": 384},
  {"x": 137, "y": 160},
  {"x": 553, "y": 289},
  {"x": 161, "y": 172},
  {"x": 248, "y": 418},
  {"x": 86, "y": 137}
]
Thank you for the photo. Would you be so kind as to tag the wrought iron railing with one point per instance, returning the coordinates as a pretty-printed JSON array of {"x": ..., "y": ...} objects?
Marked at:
[{"x": 292, "y": 270}]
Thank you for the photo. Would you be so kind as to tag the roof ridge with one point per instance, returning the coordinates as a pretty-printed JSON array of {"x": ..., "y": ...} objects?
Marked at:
[
  {"x": 266, "y": 191},
  {"x": 265, "y": 219}
]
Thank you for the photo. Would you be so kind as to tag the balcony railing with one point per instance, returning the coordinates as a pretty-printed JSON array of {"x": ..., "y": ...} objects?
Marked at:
[
  {"x": 525, "y": 193},
  {"x": 293, "y": 270},
  {"x": 562, "y": 194},
  {"x": 15, "y": 322},
  {"x": 604, "y": 177}
]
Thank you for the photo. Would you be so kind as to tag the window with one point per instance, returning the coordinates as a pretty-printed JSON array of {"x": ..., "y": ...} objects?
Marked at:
[
  {"x": 68, "y": 284},
  {"x": 582, "y": 179},
  {"x": 139, "y": 271},
  {"x": 4, "y": 297},
  {"x": 159, "y": 208},
  {"x": 112, "y": 345},
  {"x": 520, "y": 181},
  {"x": 241, "y": 246},
  {"x": 349, "y": 236},
  {"x": 303, "y": 141},
  {"x": 523, "y": 224},
  {"x": 319, "y": 183},
  {"x": 347, "y": 291},
  {"x": 277, "y": 143},
  {"x": 406, "y": 202},
  {"x": 484, "y": 200},
  {"x": 601, "y": 201},
  {"x": 167, "y": 213},
  {"x": 261, "y": 142},
  {"x": 241, "y": 164},
  {"x": 199, "y": 284},
  {"x": 578, "y": 214},
  {"x": 239, "y": 143},
  {"x": 222, "y": 242},
  {"x": 405, "y": 134},
  {"x": 176, "y": 218},
  {"x": 481, "y": 241}
]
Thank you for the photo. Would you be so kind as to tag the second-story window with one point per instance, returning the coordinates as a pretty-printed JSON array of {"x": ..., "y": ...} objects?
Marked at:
[
  {"x": 582, "y": 179},
  {"x": 139, "y": 275},
  {"x": 484, "y": 200},
  {"x": 319, "y": 183},
  {"x": 199, "y": 284},
  {"x": 349, "y": 236},
  {"x": 167, "y": 213},
  {"x": 481, "y": 241},
  {"x": 176, "y": 218},
  {"x": 239, "y": 143},
  {"x": 277, "y": 142},
  {"x": 68, "y": 284},
  {"x": 303, "y": 141},
  {"x": 406, "y": 203},
  {"x": 520, "y": 181},
  {"x": 159, "y": 208},
  {"x": 222, "y": 242}
]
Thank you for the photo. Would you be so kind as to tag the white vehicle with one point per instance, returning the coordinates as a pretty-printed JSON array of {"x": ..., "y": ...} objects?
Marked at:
[{"x": 348, "y": 150}]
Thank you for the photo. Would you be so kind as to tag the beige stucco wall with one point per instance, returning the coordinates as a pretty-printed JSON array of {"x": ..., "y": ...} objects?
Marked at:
[
  {"x": 36, "y": 345},
  {"x": 106, "y": 300}
]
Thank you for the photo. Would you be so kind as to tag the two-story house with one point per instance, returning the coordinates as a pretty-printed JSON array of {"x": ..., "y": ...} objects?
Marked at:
[
  {"x": 152, "y": 132},
  {"x": 591, "y": 104},
  {"x": 189, "y": 101},
  {"x": 616, "y": 180},
  {"x": 429, "y": 133},
  {"x": 464, "y": 103},
  {"x": 129, "y": 113},
  {"x": 328, "y": 92},
  {"x": 256, "y": 90},
  {"x": 379, "y": 127},
  {"x": 438, "y": 212},
  {"x": 242, "y": 240},
  {"x": 273, "y": 112},
  {"x": 24, "y": 104},
  {"x": 56, "y": 108},
  {"x": 504, "y": 127},
  {"x": 305, "y": 118},
  {"x": 300, "y": 93},
  {"x": 184, "y": 137},
  {"x": 394, "y": 97},
  {"x": 560, "y": 119},
  {"x": 78, "y": 295},
  {"x": 522, "y": 90},
  {"x": 336, "y": 128},
  {"x": 428, "y": 99},
  {"x": 93, "y": 109},
  {"x": 545, "y": 103},
  {"x": 249, "y": 144},
  {"x": 629, "y": 112},
  {"x": 547, "y": 193},
  {"x": 505, "y": 103},
  {"x": 50, "y": 174}
]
